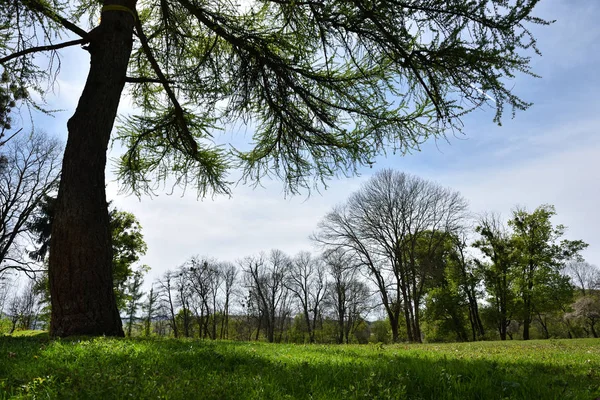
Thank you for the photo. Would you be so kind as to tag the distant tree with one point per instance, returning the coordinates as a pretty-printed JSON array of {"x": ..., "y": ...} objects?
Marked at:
[
  {"x": 347, "y": 296},
  {"x": 498, "y": 268},
  {"x": 183, "y": 295},
  {"x": 540, "y": 258},
  {"x": 133, "y": 293},
  {"x": 381, "y": 331},
  {"x": 150, "y": 308},
  {"x": 6, "y": 288},
  {"x": 393, "y": 226},
  {"x": 24, "y": 308},
  {"x": 307, "y": 281},
  {"x": 584, "y": 276},
  {"x": 464, "y": 271},
  {"x": 265, "y": 276},
  {"x": 205, "y": 281},
  {"x": 167, "y": 296},
  {"x": 30, "y": 174},
  {"x": 230, "y": 274},
  {"x": 128, "y": 246},
  {"x": 587, "y": 310}
]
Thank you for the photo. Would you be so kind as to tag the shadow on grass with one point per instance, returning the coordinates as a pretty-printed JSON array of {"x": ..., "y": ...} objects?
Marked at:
[{"x": 191, "y": 369}]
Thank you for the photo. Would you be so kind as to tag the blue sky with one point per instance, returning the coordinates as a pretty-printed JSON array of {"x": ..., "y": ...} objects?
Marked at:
[{"x": 548, "y": 154}]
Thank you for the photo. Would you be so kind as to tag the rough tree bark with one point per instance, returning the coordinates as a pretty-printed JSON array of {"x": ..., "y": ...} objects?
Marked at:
[{"x": 80, "y": 270}]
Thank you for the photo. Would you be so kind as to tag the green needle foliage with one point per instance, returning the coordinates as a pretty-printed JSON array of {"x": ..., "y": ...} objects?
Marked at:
[{"x": 325, "y": 85}]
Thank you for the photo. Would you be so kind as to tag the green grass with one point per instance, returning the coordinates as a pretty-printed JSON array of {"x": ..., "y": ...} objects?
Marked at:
[{"x": 101, "y": 368}]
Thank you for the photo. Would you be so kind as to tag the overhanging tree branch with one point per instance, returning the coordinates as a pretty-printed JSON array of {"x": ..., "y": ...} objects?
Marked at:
[
  {"x": 54, "y": 16},
  {"x": 179, "y": 113},
  {"x": 42, "y": 48}
]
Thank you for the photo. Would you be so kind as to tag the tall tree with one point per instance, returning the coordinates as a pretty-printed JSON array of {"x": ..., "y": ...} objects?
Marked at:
[
  {"x": 150, "y": 308},
  {"x": 31, "y": 173},
  {"x": 133, "y": 293},
  {"x": 230, "y": 274},
  {"x": 265, "y": 277},
  {"x": 541, "y": 256},
  {"x": 465, "y": 273},
  {"x": 316, "y": 78},
  {"x": 394, "y": 226},
  {"x": 307, "y": 281},
  {"x": 167, "y": 288},
  {"x": 585, "y": 276},
  {"x": 348, "y": 297},
  {"x": 498, "y": 268}
]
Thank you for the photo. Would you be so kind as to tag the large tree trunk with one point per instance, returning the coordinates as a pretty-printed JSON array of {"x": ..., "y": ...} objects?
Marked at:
[{"x": 80, "y": 271}]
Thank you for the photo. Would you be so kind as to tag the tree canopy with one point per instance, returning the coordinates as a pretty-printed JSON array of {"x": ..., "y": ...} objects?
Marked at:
[{"x": 326, "y": 85}]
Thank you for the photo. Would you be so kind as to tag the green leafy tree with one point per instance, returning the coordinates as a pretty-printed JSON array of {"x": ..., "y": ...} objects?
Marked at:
[
  {"x": 133, "y": 293},
  {"x": 128, "y": 246},
  {"x": 151, "y": 308},
  {"x": 542, "y": 254},
  {"x": 128, "y": 243},
  {"x": 327, "y": 86},
  {"x": 497, "y": 266},
  {"x": 451, "y": 301}
]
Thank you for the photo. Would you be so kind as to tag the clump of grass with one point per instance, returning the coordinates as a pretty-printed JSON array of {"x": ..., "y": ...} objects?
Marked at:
[{"x": 80, "y": 368}]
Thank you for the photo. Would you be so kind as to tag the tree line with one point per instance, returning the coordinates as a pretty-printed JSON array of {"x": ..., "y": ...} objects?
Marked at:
[{"x": 401, "y": 260}]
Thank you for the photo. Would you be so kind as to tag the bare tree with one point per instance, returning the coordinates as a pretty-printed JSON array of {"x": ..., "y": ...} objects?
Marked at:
[
  {"x": 150, "y": 308},
  {"x": 166, "y": 285},
  {"x": 392, "y": 226},
  {"x": 230, "y": 273},
  {"x": 307, "y": 281},
  {"x": 206, "y": 280},
  {"x": 184, "y": 297},
  {"x": 24, "y": 308},
  {"x": 30, "y": 172},
  {"x": 584, "y": 275},
  {"x": 346, "y": 295},
  {"x": 265, "y": 277}
]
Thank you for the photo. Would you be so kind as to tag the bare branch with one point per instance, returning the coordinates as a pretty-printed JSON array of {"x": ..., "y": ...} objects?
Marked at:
[{"x": 42, "y": 48}]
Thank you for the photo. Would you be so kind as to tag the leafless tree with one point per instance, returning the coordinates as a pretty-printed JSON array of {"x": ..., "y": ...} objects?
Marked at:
[
  {"x": 184, "y": 297},
  {"x": 230, "y": 274},
  {"x": 584, "y": 275},
  {"x": 347, "y": 297},
  {"x": 31, "y": 171},
  {"x": 206, "y": 280},
  {"x": 265, "y": 277},
  {"x": 392, "y": 226},
  {"x": 24, "y": 308},
  {"x": 307, "y": 281},
  {"x": 167, "y": 296}
]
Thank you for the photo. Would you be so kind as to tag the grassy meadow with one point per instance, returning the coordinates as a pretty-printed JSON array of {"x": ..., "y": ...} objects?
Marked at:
[{"x": 31, "y": 366}]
